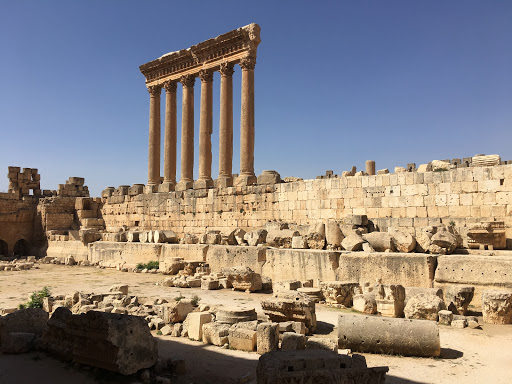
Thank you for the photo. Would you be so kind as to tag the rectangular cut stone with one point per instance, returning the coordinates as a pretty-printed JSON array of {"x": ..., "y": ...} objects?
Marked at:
[
  {"x": 196, "y": 320},
  {"x": 242, "y": 339}
]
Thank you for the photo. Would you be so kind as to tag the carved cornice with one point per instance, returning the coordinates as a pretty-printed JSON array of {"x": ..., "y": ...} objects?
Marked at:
[
  {"x": 170, "y": 86},
  {"x": 206, "y": 75},
  {"x": 227, "y": 69},
  {"x": 247, "y": 63},
  {"x": 188, "y": 81},
  {"x": 154, "y": 90},
  {"x": 233, "y": 47}
]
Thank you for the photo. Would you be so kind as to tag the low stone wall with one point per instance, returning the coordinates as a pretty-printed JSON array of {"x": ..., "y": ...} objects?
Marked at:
[
  {"x": 130, "y": 253},
  {"x": 66, "y": 248},
  {"x": 222, "y": 256},
  {"x": 407, "y": 269},
  {"x": 482, "y": 272},
  {"x": 301, "y": 264}
]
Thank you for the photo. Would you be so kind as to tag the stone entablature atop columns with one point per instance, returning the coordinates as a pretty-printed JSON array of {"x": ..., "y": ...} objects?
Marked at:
[
  {"x": 201, "y": 60},
  {"x": 210, "y": 54}
]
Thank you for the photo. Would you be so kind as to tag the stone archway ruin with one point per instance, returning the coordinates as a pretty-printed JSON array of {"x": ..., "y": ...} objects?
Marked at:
[
  {"x": 20, "y": 248},
  {"x": 4, "y": 248},
  {"x": 201, "y": 60}
]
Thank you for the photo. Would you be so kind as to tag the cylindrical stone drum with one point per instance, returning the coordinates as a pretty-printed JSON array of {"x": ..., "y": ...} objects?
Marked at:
[
  {"x": 390, "y": 336},
  {"x": 370, "y": 167}
]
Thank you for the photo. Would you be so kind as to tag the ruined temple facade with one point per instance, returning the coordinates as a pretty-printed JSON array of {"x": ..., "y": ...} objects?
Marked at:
[{"x": 218, "y": 54}]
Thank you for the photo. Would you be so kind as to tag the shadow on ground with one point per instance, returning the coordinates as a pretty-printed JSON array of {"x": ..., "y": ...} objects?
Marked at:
[
  {"x": 400, "y": 380},
  {"x": 450, "y": 354},
  {"x": 323, "y": 328}
]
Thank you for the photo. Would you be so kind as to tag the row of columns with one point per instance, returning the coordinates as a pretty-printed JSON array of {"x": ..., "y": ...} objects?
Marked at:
[{"x": 204, "y": 180}]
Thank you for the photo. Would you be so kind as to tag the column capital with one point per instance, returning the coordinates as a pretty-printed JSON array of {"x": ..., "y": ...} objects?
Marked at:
[
  {"x": 170, "y": 86},
  {"x": 227, "y": 69},
  {"x": 206, "y": 75},
  {"x": 155, "y": 90},
  {"x": 188, "y": 81},
  {"x": 248, "y": 63}
]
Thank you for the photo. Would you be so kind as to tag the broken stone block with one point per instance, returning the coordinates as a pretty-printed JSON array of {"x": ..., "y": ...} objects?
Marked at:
[
  {"x": 280, "y": 238},
  {"x": 243, "y": 278},
  {"x": 269, "y": 177},
  {"x": 316, "y": 239},
  {"x": 333, "y": 234},
  {"x": 235, "y": 315},
  {"x": 380, "y": 241},
  {"x": 195, "y": 322},
  {"x": 424, "y": 307},
  {"x": 101, "y": 340},
  {"x": 322, "y": 343},
  {"x": 286, "y": 285},
  {"x": 242, "y": 339},
  {"x": 353, "y": 242},
  {"x": 445, "y": 317},
  {"x": 390, "y": 300},
  {"x": 70, "y": 260},
  {"x": 171, "y": 266},
  {"x": 123, "y": 288},
  {"x": 338, "y": 292},
  {"x": 239, "y": 235},
  {"x": 413, "y": 291},
  {"x": 316, "y": 366},
  {"x": 256, "y": 237},
  {"x": 359, "y": 220},
  {"x": 293, "y": 306},
  {"x": 365, "y": 303},
  {"x": 459, "y": 323},
  {"x": 497, "y": 307},
  {"x": 293, "y": 341},
  {"x": 177, "y": 311},
  {"x": 388, "y": 335},
  {"x": 31, "y": 320},
  {"x": 314, "y": 293},
  {"x": 216, "y": 333},
  {"x": 165, "y": 237},
  {"x": 403, "y": 241},
  {"x": 444, "y": 240},
  {"x": 209, "y": 284},
  {"x": 267, "y": 336},
  {"x": 166, "y": 330},
  {"x": 18, "y": 342},
  {"x": 299, "y": 242},
  {"x": 458, "y": 298}
]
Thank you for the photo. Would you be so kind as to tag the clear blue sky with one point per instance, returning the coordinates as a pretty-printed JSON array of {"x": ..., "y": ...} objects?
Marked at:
[{"x": 337, "y": 83}]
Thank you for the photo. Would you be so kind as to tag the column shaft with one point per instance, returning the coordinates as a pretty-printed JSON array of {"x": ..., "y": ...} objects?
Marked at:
[
  {"x": 170, "y": 137},
  {"x": 154, "y": 136},
  {"x": 205, "y": 131},
  {"x": 247, "y": 123},
  {"x": 187, "y": 134},
  {"x": 226, "y": 126}
]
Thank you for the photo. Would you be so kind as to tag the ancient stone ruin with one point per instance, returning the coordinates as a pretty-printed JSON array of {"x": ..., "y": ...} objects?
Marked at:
[{"x": 407, "y": 251}]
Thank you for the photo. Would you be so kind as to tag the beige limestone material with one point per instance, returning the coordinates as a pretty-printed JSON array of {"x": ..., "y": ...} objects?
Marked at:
[
  {"x": 154, "y": 135},
  {"x": 205, "y": 131},
  {"x": 226, "y": 126},
  {"x": 170, "y": 138},
  {"x": 187, "y": 134}
]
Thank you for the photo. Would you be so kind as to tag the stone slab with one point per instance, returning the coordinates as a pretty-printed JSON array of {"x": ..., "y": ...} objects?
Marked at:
[{"x": 222, "y": 256}]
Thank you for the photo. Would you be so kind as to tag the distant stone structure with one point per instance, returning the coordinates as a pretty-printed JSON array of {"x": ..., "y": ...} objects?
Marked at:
[{"x": 218, "y": 54}]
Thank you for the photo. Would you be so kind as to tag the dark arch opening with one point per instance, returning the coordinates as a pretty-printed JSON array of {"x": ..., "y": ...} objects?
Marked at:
[
  {"x": 20, "y": 248},
  {"x": 4, "y": 248}
]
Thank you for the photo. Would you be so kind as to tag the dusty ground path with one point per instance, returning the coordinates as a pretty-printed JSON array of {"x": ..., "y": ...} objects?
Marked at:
[{"x": 468, "y": 355}]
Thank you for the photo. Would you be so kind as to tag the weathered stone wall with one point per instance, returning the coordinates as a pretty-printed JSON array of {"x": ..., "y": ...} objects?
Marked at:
[
  {"x": 18, "y": 223},
  {"x": 409, "y": 200}
]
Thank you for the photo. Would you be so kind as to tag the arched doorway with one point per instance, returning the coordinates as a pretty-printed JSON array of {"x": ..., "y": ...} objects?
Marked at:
[
  {"x": 20, "y": 248},
  {"x": 4, "y": 248}
]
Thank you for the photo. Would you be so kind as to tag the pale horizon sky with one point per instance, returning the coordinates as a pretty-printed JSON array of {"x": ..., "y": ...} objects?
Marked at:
[{"x": 337, "y": 83}]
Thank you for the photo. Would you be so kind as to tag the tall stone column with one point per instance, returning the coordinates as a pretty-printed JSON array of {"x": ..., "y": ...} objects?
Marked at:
[
  {"x": 247, "y": 176},
  {"x": 187, "y": 134},
  {"x": 154, "y": 138},
  {"x": 370, "y": 167},
  {"x": 226, "y": 127},
  {"x": 170, "y": 138},
  {"x": 205, "y": 131}
]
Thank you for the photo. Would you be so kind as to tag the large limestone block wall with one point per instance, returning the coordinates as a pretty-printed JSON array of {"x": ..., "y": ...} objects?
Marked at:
[
  {"x": 222, "y": 256},
  {"x": 482, "y": 272},
  {"x": 65, "y": 248},
  {"x": 407, "y": 269},
  {"x": 409, "y": 200},
  {"x": 301, "y": 264}
]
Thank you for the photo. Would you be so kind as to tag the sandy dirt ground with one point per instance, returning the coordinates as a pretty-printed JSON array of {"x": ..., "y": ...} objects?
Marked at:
[{"x": 467, "y": 356}]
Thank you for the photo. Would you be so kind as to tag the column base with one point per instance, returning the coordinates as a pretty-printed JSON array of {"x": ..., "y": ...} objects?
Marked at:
[
  {"x": 244, "y": 180},
  {"x": 224, "y": 182},
  {"x": 151, "y": 188},
  {"x": 167, "y": 186},
  {"x": 184, "y": 185},
  {"x": 203, "y": 183}
]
